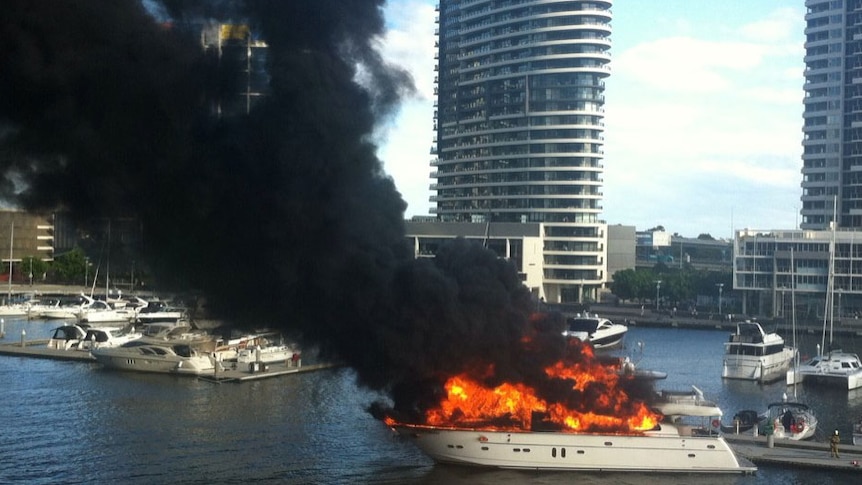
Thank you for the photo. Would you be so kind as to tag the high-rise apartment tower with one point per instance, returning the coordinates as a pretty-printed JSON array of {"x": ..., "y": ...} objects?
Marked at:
[
  {"x": 832, "y": 131},
  {"x": 519, "y": 127}
]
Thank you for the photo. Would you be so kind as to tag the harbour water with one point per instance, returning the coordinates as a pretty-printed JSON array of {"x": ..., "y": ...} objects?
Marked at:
[{"x": 71, "y": 422}]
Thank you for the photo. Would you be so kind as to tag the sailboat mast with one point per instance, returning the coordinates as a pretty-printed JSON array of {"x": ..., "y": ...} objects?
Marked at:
[
  {"x": 11, "y": 243},
  {"x": 830, "y": 281},
  {"x": 793, "y": 318}
]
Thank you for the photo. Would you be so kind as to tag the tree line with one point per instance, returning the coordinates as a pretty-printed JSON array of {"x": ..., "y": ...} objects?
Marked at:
[{"x": 673, "y": 286}]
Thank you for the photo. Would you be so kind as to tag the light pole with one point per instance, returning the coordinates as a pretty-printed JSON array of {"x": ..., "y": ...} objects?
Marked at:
[
  {"x": 657, "y": 288},
  {"x": 720, "y": 288}
]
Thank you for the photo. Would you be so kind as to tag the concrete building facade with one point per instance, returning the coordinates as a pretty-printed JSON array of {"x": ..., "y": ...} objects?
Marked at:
[
  {"x": 519, "y": 128},
  {"x": 770, "y": 267},
  {"x": 522, "y": 244},
  {"x": 832, "y": 129}
]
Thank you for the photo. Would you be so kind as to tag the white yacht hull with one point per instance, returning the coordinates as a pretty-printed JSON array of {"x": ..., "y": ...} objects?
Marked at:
[
  {"x": 667, "y": 450},
  {"x": 764, "y": 368},
  {"x": 117, "y": 358}
]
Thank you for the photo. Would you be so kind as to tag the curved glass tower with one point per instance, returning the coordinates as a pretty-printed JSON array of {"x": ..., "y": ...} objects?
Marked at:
[{"x": 519, "y": 123}]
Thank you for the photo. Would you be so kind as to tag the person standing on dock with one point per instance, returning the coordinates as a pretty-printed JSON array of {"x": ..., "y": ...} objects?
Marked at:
[{"x": 833, "y": 444}]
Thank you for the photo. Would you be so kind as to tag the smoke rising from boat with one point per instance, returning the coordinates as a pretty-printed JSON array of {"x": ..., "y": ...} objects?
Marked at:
[{"x": 281, "y": 217}]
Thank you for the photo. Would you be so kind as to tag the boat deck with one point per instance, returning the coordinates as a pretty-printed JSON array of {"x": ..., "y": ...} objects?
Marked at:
[{"x": 795, "y": 454}]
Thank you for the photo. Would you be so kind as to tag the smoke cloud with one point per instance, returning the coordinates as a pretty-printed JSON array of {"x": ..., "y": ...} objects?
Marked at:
[{"x": 282, "y": 217}]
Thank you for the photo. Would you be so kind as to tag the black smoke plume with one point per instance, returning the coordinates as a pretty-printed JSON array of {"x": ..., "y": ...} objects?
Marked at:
[{"x": 281, "y": 217}]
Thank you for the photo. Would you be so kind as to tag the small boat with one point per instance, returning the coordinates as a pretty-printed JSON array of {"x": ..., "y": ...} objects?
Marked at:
[
  {"x": 752, "y": 354},
  {"x": 266, "y": 354},
  {"x": 598, "y": 331},
  {"x": 98, "y": 337},
  {"x": 160, "y": 311},
  {"x": 99, "y": 311},
  {"x": 791, "y": 420},
  {"x": 163, "y": 358},
  {"x": 743, "y": 421},
  {"x": 675, "y": 404},
  {"x": 62, "y": 309},
  {"x": 67, "y": 337}
]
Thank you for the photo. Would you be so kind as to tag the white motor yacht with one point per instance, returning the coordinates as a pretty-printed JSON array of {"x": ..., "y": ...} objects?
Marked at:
[
  {"x": 67, "y": 337},
  {"x": 99, "y": 311},
  {"x": 98, "y": 337},
  {"x": 164, "y": 358},
  {"x": 598, "y": 331},
  {"x": 752, "y": 354},
  {"x": 667, "y": 448}
]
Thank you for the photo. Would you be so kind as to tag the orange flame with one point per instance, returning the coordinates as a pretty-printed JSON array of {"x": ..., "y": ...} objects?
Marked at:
[{"x": 511, "y": 406}]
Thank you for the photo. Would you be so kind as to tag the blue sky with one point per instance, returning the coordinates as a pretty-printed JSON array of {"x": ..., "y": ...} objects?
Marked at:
[{"x": 703, "y": 113}]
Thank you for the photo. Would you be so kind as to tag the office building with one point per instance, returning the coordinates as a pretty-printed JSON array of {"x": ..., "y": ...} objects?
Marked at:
[
  {"x": 519, "y": 128},
  {"x": 832, "y": 144}
]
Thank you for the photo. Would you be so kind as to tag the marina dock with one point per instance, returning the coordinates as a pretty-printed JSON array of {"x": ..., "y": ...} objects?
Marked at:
[
  {"x": 38, "y": 349},
  {"x": 795, "y": 454},
  {"x": 244, "y": 373}
]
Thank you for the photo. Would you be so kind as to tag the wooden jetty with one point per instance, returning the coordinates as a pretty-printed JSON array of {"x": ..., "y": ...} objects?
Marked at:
[
  {"x": 242, "y": 373},
  {"x": 38, "y": 349},
  {"x": 795, "y": 454}
]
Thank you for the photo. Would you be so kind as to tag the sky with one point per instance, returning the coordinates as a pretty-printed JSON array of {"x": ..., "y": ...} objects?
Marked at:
[{"x": 703, "y": 113}]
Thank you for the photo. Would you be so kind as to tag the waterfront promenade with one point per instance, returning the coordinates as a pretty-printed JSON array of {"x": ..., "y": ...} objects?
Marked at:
[{"x": 635, "y": 315}]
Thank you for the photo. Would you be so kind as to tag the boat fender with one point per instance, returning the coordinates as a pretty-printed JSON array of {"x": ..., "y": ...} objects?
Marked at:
[
  {"x": 483, "y": 438},
  {"x": 800, "y": 425},
  {"x": 716, "y": 423}
]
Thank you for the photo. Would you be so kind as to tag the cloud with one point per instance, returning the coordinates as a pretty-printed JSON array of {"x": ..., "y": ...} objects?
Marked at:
[
  {"x": 780, "y": 26},
  {"x": 688, "y": 64},
  {"x": 409, "y": 42}
]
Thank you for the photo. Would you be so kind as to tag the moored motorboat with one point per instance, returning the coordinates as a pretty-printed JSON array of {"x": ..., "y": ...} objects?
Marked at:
[
  {"x": 99, "y": 311},
  {"x": 667, "y": 448},
  {"x": 160, "y": 311},
  {"x": 598, "y": 331},
  {"x": 98, "y": 337},
  {"x": 163, "y": 358},
  {"x": 743, "y": 421},
  {"x": 67, "y": 337},
  {"x": 675, "y": 404},
  {"x": 753, "y": 354}
]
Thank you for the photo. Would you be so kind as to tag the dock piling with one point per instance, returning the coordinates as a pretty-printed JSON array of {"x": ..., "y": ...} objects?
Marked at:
[{"x": 23, "y": 334}]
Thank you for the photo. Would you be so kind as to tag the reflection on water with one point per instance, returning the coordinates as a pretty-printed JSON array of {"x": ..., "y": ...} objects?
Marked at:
[{"x": 71, "y": 422}]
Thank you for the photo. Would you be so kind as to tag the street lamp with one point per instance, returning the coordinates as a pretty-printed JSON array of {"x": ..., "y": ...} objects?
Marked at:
[
  {"x": 657, "y": 288},
  {"x": 720, "y": 288}
]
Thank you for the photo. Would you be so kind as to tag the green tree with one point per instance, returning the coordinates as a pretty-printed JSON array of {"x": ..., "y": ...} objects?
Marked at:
[
  {"x": 32, "y": 267},
  {"x": 70, "y": 267}
]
